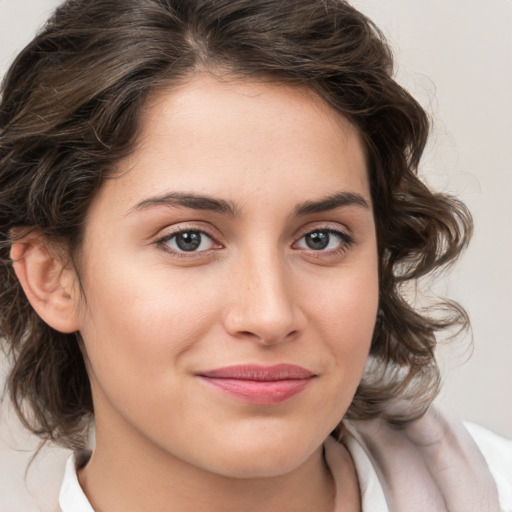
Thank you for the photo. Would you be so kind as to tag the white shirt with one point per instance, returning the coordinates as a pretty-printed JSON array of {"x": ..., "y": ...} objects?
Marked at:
[{"x": 496, "y": 451}]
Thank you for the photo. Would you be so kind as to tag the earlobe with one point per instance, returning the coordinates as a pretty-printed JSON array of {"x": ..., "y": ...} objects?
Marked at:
[{"x": 45, "y": 281}]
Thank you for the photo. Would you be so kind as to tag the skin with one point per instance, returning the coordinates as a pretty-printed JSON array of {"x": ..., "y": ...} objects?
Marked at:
[{"x": 152, "y": 317}]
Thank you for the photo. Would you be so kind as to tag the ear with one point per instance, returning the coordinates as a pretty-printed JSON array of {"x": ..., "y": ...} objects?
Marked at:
[{"x": 48, "y": 284}]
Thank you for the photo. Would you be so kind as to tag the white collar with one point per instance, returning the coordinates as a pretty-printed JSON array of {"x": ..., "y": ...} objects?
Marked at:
[{"x": 72, "y": 497}]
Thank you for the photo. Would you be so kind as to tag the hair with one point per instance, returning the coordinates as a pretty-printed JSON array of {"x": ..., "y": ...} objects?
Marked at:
[{"x": 70, "y": 110}]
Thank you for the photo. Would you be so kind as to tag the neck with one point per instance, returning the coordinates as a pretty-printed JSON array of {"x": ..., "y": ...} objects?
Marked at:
[{"x": 133, "y": 474}]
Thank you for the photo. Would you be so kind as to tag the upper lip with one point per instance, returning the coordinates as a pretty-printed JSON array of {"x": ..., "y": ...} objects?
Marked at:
[{"x": 259, "y": 373}]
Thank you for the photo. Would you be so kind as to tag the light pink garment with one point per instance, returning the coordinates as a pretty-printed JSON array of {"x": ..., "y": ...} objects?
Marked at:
[{"x": 430, "y": 465}]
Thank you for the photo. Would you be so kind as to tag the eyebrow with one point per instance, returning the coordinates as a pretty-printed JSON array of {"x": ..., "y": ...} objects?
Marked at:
[
  {"x": 208, "y": 203},
  {"x": 188, "y": 200},
  {"x": 332, "y": 202}
]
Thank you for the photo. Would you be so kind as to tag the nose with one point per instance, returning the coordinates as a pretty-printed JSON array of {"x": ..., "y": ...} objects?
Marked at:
[{"x": 263, "y": 303}]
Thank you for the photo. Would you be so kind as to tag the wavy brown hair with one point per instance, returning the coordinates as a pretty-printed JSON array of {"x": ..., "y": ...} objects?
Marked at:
[{"x": 70, "y": 110}]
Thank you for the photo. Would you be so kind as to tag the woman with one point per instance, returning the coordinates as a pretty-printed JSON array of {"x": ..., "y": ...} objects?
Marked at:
[{"x": 210, "y": 211}]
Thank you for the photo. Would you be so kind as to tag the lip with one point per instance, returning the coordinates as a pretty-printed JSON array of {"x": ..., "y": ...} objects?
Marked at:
[{"x": 259, "y": 385}]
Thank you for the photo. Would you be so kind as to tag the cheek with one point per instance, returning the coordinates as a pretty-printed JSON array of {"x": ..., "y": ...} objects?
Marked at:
[
  {"x": 345, "y": 314},
  {"x": 139, "y": 340},
  {"x": 139, "y": 321}
]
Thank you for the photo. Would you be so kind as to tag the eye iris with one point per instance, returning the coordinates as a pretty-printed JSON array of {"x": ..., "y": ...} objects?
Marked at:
[
  {"x": 317, "y": 240},
  {"x": 188, "y": 240}
]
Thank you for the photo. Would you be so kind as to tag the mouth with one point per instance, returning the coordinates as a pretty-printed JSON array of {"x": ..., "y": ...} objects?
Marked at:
[{"x": 259, "y": 385}]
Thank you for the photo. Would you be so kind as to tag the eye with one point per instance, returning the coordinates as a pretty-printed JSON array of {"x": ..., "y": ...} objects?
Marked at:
[
  {"x": 325, "y": 240},
  {"x": 188, "y": 241}
]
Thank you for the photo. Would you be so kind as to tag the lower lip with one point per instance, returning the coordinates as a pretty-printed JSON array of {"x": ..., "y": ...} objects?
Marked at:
[{"x": 259, "y": 392}]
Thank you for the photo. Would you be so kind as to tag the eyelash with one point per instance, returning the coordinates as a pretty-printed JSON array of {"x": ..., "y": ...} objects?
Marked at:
[
  {"x": 163, "y": 241},
  {"x": 346, "y": 241}
]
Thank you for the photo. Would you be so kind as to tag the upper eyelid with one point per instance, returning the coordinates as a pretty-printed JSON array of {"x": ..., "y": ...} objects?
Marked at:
[
  {"x": 346, "y": 237},
  {"x": 335, "y": 227},
  {"x": 171, "y": 235},
  {"x": 171, "y": 231}
]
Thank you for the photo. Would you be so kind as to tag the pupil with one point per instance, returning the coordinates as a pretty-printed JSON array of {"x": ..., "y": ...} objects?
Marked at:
[
  {"x": 317, "y": 240},
  {"x": 189, "y": 240}
]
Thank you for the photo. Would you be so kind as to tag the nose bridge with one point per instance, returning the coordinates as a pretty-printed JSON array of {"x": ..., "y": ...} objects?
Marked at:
[{"x": 263, "y": 305}]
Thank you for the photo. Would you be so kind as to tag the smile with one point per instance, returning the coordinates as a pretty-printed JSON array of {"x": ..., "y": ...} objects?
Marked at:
[{"x": 259, "y": 385}]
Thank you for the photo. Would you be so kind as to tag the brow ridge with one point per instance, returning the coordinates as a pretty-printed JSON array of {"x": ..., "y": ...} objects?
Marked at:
[
  {"x": 331, "y": 202},
  {"x": 189, "y": 200}
]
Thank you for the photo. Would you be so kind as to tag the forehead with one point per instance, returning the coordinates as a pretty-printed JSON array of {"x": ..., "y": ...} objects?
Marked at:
[{"x": 239, "y": 139}]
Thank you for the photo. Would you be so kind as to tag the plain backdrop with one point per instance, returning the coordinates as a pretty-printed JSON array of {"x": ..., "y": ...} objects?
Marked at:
[{"x": 456, "y": 58}]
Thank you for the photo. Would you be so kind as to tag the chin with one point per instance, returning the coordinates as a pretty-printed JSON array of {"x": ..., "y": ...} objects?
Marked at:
[
  {"x": 262, "y": 468},
  {"x": 262, "y": 459}
]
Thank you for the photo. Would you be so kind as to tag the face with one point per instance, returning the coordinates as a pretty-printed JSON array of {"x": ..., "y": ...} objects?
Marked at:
[{"x": 230, "y": 278}]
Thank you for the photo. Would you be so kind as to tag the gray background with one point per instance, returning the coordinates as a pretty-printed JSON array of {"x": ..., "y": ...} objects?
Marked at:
[{"x": 456, "y": 58}]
